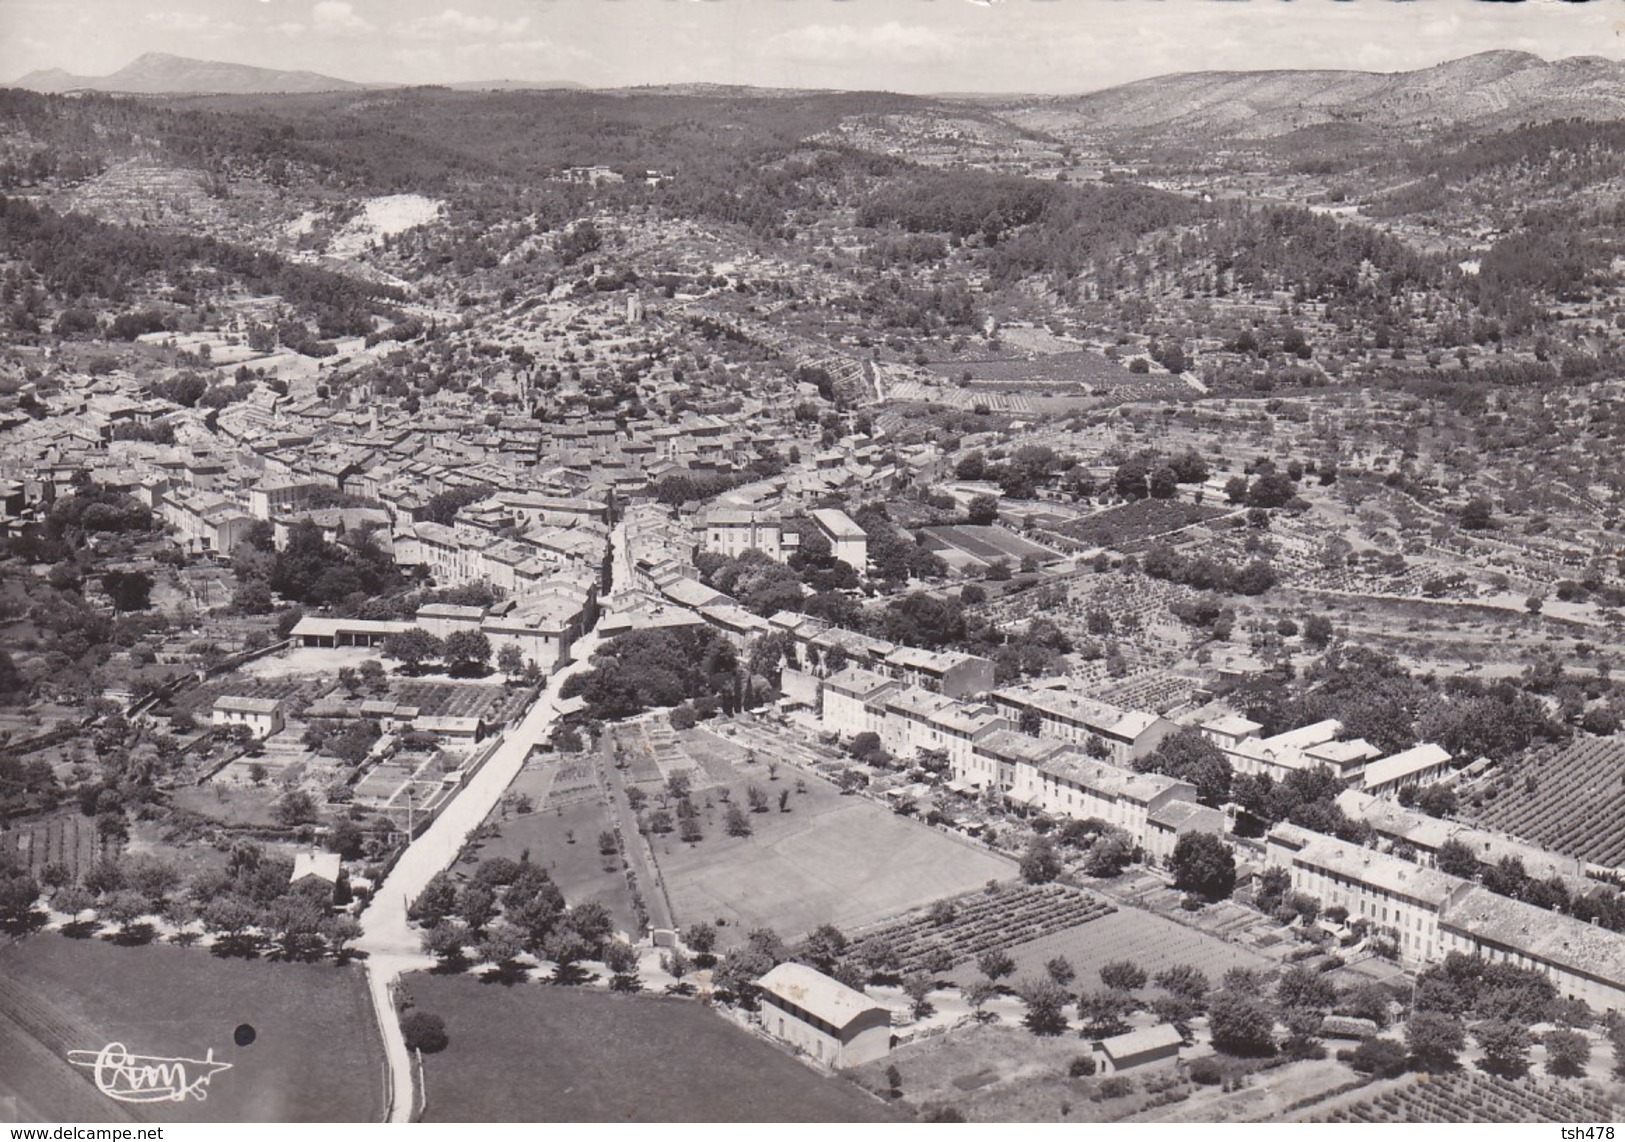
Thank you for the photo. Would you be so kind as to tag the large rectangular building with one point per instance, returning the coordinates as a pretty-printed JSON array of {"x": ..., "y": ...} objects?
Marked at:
[{"x": 834, "y": 1024}]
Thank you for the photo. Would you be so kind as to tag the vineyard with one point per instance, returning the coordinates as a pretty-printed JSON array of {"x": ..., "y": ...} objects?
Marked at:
[
  {"x": 983, "y": 921},
  {"x": 1469, "y": 1096},
  {"x": 1565, "y": 799}
]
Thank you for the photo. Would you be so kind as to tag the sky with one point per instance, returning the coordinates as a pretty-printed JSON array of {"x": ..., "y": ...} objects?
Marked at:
[{"x": 920, "y": 46}]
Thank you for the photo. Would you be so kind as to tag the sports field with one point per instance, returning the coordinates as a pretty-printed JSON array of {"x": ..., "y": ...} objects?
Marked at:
[
  {"x": 832, "y": 859},
  {"x": 315, "y": 1054},
  {"x": 1127, "y": 934},
  {"x": 553, "y": 1054}
]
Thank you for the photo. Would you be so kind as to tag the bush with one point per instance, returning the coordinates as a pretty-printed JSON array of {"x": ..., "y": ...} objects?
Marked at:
[
  {"x": 1116, "y": 1087},
  {"x": 1207, "y": 1071},
  {"x": 1082, "y": 1067},
  {"x": 424, "y": 1032}
]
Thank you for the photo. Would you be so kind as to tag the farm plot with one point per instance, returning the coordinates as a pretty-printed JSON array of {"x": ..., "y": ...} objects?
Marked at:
[
  {"x": 1128, "y": 934},
  {"x": 1133, "y": 525},
  {"x": 493, "y": 703},
  {"x": 986, "y": 920},
  {"x": 199, "y": 700},
  {"x": 986, "y": 542},
  {"x": 1078, "y": 368},
  {"x": 63, "y": 838},
  {"x": 552, "y": 1054},
  {"x": 1468, "y": 1096},
  {"x": 1567, "y": 800},
  {"x": 315, "y": 1056}
]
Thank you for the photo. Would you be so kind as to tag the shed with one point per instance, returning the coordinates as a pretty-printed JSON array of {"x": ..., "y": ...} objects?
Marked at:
[{"x": 1137, "y": 1048}]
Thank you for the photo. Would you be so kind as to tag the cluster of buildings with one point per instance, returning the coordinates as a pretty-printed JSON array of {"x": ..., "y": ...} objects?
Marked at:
[{"x": 1356, "y": 762}]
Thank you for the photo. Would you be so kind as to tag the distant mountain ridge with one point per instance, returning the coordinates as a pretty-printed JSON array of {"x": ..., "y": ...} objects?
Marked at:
[
  {"x": 158, "y": 73},
  {"x": 1489, "y": 89}
]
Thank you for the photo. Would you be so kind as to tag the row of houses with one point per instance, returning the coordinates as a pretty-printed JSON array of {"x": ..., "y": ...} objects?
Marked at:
[
  {"x": 1432, "y": 913},
  {"x": 1317, "y": 745}
]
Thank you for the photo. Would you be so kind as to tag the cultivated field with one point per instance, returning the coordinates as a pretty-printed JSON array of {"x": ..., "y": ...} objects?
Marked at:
[
  {"x": 988, "y": 543},
  {"x": 834, "y": 859},
  {"x": 1468, "y": 1096},
  {"x": 494, "y": 703},
  {"x": 984, "y": 920},
  {"x": 315, "y": 1055},
  {"x": 551, "y": 1054},
  {"x": 62, "y": 838},
  {"x": 1141, "y": 937},
  {"x": 1132, "y": 525},
  {"x": 1568, "y": 800}
]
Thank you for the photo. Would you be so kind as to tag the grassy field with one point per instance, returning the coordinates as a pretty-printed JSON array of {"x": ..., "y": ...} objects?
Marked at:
[
  {"x": 1145, "y": 939},
  {"x": 548, "y": 1054},
  {"x": 835, "y": 859},
  {"x": 998, "y": 1072},
  {"x": 315, "y": 1056},
  {"x": 564, "y": 841}
]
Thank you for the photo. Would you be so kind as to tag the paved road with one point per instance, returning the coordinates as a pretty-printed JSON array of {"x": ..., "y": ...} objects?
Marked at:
[{"x": 391, "y": 945}]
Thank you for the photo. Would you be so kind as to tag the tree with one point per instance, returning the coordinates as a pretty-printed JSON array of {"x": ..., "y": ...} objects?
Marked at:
[
  {"x": 622, "y": 962},
  {"x": 1479, "y": 514},
  {"x": 413, "y": 647},
  {"x": 510, "y": 660},
  {"x": 1122, "y": 975},
  {"x": 446, "y": 942},
  {"x": 1241, "y": 1024},
  {"x": 983, "y": 510},
  {"x": 736, "y": 822},
  {"x": 977, "y": 993},
  {"x": 1567, "y": 1052},
  {"x": 424, "y": 1032},
  {"x": 1435, "y": 1039},
  {"x": 1104, "y": 1012},
  {"x": 1457, "y": 858},
  {"x": 1046, "y": 1003},
  {"x": 1060, "y": 970},
  {"x": 1205, "y": 865},
  {"x": 1380, "y": 1058},
  {"x": 1184, "y": 980},
  {"x": 701, "y": 939},
  {"x": 129, "y": 590},
  {"x": 467, "y": 649},
  {"x": 340, "y": 932},
  {"x": 825, "y": 947},
  {"x": 1190, "y": 756},
  {"x": 918, "y": 986},
  {"x": 1040, "y": 864},
  {"x": 1301, "y": 986},
  {"x": 1506, "y": 1046},
  {"x": 996, "y": 964},
  {"x": 296, "y": 808},
  {"x": 437, "y": 901}
]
